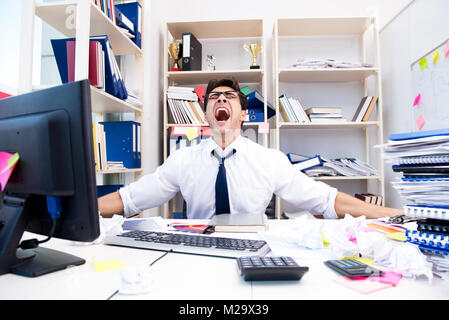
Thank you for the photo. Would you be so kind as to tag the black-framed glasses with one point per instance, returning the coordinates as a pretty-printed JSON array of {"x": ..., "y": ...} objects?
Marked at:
[{"x": 228, "y": 94}]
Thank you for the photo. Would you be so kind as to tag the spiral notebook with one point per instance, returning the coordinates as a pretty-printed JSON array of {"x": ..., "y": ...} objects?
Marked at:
[{"x": 430, "y": 159}]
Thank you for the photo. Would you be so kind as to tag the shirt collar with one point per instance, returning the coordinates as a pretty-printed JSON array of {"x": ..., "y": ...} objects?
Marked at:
[{"x": 235, "y": 145}]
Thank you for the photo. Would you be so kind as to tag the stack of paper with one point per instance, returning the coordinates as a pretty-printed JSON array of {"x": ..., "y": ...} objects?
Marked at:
[{"x": 421, "y": 158}]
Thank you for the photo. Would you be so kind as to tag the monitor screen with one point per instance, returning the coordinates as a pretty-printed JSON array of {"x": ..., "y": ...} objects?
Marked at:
[{"x": 51, "y": 129}]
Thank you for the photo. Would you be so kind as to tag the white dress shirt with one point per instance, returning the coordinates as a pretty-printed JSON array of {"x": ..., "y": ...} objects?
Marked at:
[{"x": 253, "y": 174}]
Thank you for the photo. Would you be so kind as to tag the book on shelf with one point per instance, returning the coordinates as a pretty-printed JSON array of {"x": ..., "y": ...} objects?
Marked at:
[
  {"x": 107, "y": 7},
  {"x": 321, "y": 110},
  {"x": 186, "y": 112},
  {"x": 96, "y": 63},
  {"x": 365, "y": 108},
  {"x": 292, "y": 110},
  {"x": 370, "y": 198},
  {"x": 99, "y": 140},
  {"x": 239, "y": 222},
  {"x": 191, "y": 52},
  {"x": 324, "y": 114}
]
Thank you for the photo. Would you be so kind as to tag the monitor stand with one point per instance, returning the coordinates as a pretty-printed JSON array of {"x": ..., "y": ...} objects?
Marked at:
[{"x": 29, "y": 262}]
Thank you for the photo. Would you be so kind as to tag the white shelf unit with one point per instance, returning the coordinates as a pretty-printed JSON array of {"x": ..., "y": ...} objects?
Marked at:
[
  {"x": 353, "y": 39},
  {"x": 224, "y": 39},
  {"x": 82, "y": 19}
]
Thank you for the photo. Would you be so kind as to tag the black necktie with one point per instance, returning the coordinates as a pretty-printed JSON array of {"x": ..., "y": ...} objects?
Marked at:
[{"x": 221, "y": 188}]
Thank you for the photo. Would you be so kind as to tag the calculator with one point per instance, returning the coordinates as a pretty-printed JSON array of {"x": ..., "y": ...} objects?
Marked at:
[
  {"x": 353, "y": 268},
  {"x": 254, "y": 268}
]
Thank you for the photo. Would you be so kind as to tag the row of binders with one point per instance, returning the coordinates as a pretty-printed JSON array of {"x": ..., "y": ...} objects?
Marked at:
[
  {"x": 292, "y": 110},
  {"x": 116, "y": 145},
  {"x": 422, "y": 158},
  {"x": 103, "y": 68},
  {"x": 127, "y": 16}
]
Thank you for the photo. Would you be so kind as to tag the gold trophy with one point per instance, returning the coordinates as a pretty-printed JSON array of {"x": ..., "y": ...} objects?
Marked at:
[
  {"x": 174, "y": 50},
  {"x": 254, "y": 50}
]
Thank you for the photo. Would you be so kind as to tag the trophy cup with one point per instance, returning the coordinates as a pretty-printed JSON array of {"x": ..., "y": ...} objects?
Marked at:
[
  {"x": 253, "y": 49},
  {"x": 174, "y": 50}
]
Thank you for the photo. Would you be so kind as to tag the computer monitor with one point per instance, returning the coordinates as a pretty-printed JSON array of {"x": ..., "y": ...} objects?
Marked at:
[{"x": 51, "y": 129}]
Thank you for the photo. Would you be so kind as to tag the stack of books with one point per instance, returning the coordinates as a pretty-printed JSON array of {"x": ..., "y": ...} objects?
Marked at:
[
  {"x": 325, "y": 115},
  {"x": 423, "y": 160},
  {"x": 184, "y": 106}
]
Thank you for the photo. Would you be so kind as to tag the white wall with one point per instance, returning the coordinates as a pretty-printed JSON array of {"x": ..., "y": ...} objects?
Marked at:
[{"x": 421, "y": 27}]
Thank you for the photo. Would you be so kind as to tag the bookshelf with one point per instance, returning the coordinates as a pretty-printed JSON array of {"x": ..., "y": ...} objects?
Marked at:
[
  {"x": 354, "y": 39},
  {"x": 224, "y": 39},
  {"x": 82, "y": 19}
]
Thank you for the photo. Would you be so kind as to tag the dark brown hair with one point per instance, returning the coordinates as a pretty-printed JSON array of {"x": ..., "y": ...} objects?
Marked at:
[{"x": 230, "y": 82}]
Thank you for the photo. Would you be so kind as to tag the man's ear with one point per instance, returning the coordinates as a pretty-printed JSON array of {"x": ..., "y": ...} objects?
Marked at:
[{"x": 243, "y": 115}]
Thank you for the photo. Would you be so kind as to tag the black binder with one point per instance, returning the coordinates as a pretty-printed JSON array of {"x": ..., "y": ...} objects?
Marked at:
[{"x": 191, "y": 52}]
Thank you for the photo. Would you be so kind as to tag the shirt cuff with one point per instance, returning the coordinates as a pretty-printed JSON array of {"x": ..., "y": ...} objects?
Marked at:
[
  {"x": 129, "y": 209},
  {"x": 330, "y": 211}
]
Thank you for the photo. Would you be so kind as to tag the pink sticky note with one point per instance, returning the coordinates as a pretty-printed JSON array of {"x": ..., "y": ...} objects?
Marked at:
[
  {"x": 364, "y": 285},
  {"x": 6, "y": 167},
  {"x": 417, "y": 99},
  {"x": 420, "y": 122},
  {"x": 389, "y": 277},
  {"x": 446, "y": 49},
  {"x": 264, "y": 127}
]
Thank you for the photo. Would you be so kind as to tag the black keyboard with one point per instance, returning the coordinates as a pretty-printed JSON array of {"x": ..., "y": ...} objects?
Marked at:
[{"x": 188, "y": 243}]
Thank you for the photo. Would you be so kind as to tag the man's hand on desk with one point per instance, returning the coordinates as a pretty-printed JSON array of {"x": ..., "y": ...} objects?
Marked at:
[
  {"x": 344, "y": 203},
  {"x": 110, "y": 204}
]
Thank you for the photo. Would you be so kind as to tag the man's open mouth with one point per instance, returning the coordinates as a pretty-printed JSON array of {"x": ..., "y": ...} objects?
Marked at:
[{"x": 222, "y": 114}]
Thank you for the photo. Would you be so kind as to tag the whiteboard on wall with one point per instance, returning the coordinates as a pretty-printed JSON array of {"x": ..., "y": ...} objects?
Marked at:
[{"x": 430, "y": 90}]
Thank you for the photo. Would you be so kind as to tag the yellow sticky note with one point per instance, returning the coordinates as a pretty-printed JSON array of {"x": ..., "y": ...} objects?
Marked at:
[
  {"x": 107, "y": 265},
  {"x": 192, "y": 133},
  {"x": 399, "y": 236},
  {"x": 435, "y": 56},
  {"x": 423, "y": 63}
]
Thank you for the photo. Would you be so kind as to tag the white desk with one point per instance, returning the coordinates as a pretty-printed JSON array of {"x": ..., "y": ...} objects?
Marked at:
[{"x": 189, "y": 277}]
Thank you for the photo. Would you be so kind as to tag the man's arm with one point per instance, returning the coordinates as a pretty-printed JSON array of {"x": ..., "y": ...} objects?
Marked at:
[
  {"x": 110, "y": 204},
  {"x": 344, "y": 203}
]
